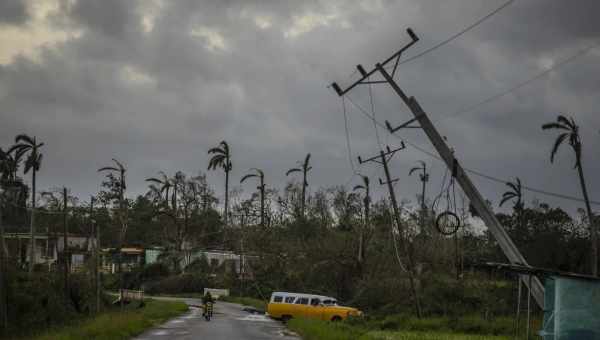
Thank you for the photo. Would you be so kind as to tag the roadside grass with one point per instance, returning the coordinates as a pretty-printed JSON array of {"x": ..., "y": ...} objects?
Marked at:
[
  {"x": 399, "y": 327},
  {"x": 115, "y": 324},
  {"x": 260, "y": 305}
]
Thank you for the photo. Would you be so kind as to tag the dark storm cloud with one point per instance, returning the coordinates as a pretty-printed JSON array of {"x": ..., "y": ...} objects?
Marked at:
[
  {"x": 110, "y": 17},
  {"x": 12, "y": 12},
  {"x": 255, "y": 74}
]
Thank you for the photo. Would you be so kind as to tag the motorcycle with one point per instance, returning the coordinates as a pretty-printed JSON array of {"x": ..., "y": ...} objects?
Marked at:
[{"x": 208, "y": 310}]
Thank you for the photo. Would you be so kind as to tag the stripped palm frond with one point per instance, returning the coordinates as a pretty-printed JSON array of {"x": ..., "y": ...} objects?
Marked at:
[
  {"x": 292, "y": 170},
  {"x": 248, "y": 176},
  {"x": 108, "y": 168}
]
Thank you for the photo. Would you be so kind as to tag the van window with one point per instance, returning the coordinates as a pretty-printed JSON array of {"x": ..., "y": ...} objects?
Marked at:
[
  {"x": 277, "y": 299},
  {"x": 302, "y": 301},
  {"x": 315, "y": 302},
  {"x": 289, "y": 299}
]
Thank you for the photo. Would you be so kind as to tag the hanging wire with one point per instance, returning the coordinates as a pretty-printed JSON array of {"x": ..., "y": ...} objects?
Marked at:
[
  {"x": 393, "y": 231},
  {"x": 374, "y": 116},
  {"x": 347, "y": 131}
]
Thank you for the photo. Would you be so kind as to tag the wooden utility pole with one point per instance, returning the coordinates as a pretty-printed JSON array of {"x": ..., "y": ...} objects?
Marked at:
[
  {"x": 95, "y": 234},
  {"x": 424, "y": 178},
  {"x": 33, "y": 156},
  {"x": 3, "y": 305},
  {"x": 382, "y": 159},
  {"x": 480, "y": 205},
  {"x": 122, "y": 234},
  {"x": 262, "y": 201},
  {"x": 66, "y": 253}
]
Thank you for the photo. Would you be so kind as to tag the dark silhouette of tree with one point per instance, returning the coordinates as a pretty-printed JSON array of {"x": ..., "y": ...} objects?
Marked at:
[
  {"x": 367, "y": 204},
  {"x": 304, "y": 169},
  {"x": 515, "y": 192},
  {"x": 261, "y": 187},
  {"x": 162, "y": 186},
  {"x": 222, "y": 159},
  {"x": 120, "y": 170},
  {"x": 26, "y": 145},
  {"x": 569, "y": 131}
]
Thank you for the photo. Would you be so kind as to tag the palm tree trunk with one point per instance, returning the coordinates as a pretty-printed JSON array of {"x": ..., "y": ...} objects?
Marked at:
[
  {"x": 593, "y": 230},
  {"x": 303, "y": 194},
  {"x": 262, "y": 202},
  {"x": 32, "y": 219},
  {"x": 226, "y": 197},
  {"x": 361, "y": 236}
]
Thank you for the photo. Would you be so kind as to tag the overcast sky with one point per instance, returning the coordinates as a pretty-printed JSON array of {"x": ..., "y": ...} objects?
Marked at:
[{"x": 156, "y": 83}]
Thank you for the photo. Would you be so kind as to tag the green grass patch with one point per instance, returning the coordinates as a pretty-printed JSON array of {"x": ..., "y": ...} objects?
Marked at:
[
  {"x": 260, "y": 305},
  {"x": 400, "y": 327},
  {"x": 116, "y": 324},
  {"x": 324, "y": 330},
  {"x": 401, "y": 335}
]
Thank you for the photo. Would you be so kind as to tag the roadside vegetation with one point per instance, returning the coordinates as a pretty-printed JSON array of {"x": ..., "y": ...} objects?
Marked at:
[
  {"x": 116, "y": 324},
  {"x": 404, "y": 327}
]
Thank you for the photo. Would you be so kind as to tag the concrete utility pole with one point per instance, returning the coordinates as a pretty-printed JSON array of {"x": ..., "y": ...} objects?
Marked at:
[
  {"x": 382, "y": 159},
  {"x": 66, "y": 245},
  {"x": 480, "y": 205}
]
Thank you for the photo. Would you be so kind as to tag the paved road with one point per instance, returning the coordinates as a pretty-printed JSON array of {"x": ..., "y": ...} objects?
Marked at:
[{"x": 229, "y": 322}]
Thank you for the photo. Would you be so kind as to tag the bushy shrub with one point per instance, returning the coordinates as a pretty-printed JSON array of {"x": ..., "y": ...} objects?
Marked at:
[
  {"x": 39, "y": 300},
  {"x": 154, "y": 271}
]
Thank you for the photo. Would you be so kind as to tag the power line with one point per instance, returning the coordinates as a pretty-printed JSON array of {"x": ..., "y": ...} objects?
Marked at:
[
  {"x": 374, "y": 117},
  {"x": 463, "y": 31},
  {"x": 474, "y": 172},
  {"x": 522, "y": 84},
  {"x": 348, "y": 146}
]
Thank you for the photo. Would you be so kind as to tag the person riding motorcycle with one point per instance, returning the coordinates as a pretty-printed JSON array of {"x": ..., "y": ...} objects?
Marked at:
[{"x": 207, "y": 301}]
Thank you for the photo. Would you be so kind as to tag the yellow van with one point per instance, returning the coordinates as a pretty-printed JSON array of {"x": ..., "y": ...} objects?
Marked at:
[{"x": 285, "y": 305}]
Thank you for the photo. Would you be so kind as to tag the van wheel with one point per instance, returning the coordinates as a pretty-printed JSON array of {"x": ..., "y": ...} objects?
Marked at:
[
  {"x": 336, "y": 318},
  {"x": 285, "y": 318}
]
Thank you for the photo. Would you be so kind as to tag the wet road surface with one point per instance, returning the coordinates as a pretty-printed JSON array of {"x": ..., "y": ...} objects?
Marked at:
[{"x": 229, "y": 322}]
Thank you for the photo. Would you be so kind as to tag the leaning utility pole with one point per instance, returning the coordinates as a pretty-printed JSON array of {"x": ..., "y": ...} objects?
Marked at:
[
  {"x": 486, "y": 213},
  {"x": 65, "y": 245},
  {"x": 382, "y": 159}
]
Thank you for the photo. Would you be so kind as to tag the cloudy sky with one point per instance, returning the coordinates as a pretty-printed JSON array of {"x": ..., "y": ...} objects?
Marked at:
[{"x": 156, "y": 83}]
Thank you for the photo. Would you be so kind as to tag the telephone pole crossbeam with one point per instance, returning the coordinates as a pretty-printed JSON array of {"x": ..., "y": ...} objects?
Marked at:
[{"x": 365, "y": 75}]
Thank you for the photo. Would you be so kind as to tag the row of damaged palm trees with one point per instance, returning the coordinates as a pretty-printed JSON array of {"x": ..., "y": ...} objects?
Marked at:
[
  {"x": 568, "y": 133},
  {"x": 221, "y": 159}
]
